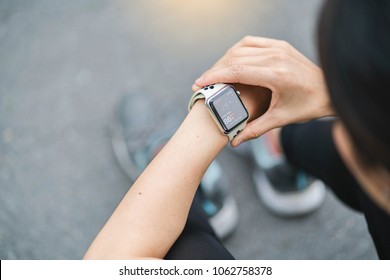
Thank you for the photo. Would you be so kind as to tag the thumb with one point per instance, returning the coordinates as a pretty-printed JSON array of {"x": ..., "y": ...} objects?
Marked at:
[
  {"x": 195, "y": 87},
  {"x": 255, "y": 129}
]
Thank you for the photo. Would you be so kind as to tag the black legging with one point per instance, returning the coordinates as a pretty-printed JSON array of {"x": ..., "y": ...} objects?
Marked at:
[{"x": 198, "y": 240}]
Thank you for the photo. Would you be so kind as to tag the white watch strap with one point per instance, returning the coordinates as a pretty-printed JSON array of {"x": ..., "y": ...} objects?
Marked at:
[
  {"x": 205, "y": 92},
  {"x": 208, "y": 92}
]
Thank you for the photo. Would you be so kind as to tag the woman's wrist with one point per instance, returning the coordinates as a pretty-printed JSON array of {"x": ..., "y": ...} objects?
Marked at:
[
  {"x": 200, "y": 127},
  {"x": 322, "y": 96},
  {"x": 255, "y": 99}
]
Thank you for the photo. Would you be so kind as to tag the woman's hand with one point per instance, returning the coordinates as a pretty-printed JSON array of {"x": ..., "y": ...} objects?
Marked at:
[{"x": 298, "y": 88}]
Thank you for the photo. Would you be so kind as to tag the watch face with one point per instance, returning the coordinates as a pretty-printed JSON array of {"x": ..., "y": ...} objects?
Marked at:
[{"x": 228, "y": 108}]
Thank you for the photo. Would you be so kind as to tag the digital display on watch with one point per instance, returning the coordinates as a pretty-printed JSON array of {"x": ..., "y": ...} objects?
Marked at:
[{"x": 228, "y": 108}]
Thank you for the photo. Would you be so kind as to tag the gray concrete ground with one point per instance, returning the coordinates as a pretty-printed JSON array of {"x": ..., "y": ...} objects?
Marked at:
[{"x": 63, "y": 67}]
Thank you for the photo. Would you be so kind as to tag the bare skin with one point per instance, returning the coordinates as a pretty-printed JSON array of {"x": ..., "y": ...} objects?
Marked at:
[
  {"x": 375, "y": 181},
  {"x": 298, "y": 87},
  {"x": 299, "y": 93},
  {"x": 153, "y": 213}
]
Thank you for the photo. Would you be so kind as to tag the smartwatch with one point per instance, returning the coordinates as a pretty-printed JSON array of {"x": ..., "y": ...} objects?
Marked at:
[{"x": 225, "y": 106}]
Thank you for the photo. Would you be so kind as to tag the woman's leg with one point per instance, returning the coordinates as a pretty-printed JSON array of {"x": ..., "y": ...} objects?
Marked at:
[{"x": 198, "y": 240}]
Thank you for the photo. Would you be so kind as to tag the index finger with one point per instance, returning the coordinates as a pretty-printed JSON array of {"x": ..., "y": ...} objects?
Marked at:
[
  {"x": 258, "y": 42},
  {"x": 242, "y": 74}
]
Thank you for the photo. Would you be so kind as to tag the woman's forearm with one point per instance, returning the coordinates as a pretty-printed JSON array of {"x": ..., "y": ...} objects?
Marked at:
[{"x": 153, "y": 213}]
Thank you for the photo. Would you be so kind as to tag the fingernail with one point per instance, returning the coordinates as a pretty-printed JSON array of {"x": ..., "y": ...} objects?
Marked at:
[
  {"x": 195, "y": 87},
  {"x": 237, "y": 143},
  {"x": 199, "y": 80}
]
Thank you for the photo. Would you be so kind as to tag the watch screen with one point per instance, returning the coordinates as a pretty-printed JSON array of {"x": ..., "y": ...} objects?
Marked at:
[{"x": 228, "y": 108}]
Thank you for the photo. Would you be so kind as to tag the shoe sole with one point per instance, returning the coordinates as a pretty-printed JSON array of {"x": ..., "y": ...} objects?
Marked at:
[
  {"x": 122, "y": 154},
  {"x": 225, "y": 222},
  {"x": 289, "y": 204}
]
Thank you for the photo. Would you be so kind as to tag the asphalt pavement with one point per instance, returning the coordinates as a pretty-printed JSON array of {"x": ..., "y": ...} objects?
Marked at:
[{"x": 64, "y": 65}]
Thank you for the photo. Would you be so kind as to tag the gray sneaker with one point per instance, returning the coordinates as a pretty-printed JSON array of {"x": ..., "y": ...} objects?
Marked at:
[
  {"x": 283, "y": 189},
  {"x": 137, "y": 137}
]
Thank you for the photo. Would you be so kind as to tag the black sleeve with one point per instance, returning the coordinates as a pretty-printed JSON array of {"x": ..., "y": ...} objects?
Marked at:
[{"x": 310, "y": 147}]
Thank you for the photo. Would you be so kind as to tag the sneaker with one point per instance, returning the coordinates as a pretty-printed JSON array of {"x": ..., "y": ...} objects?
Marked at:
[
  {"x": 138, "y": 137},
  {"x": 283, "y": 189},
  {"x": 218, "y": 203}
]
